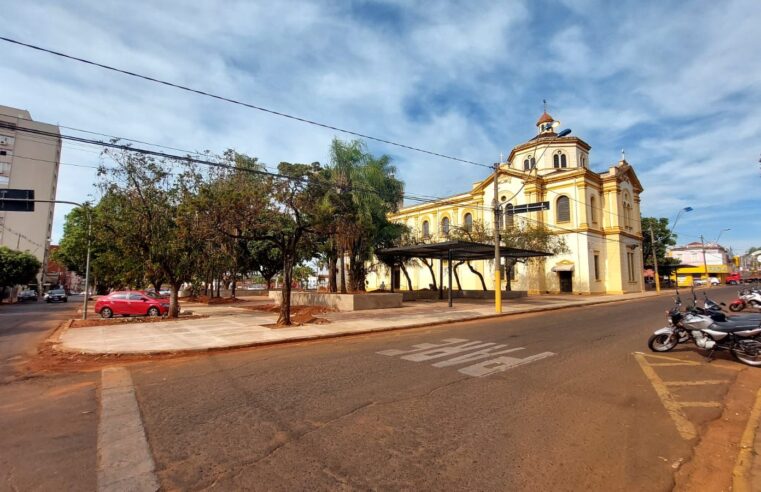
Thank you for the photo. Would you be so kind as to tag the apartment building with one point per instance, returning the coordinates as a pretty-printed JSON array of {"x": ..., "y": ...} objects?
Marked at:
[{"x": 28, "y": 161}]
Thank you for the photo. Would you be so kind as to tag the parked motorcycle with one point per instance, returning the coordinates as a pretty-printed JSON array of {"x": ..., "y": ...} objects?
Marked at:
[
  {"x": 716, "y": 311},
  {"x": 742, "y": 337},
  {"x": 747, "y": 298}
]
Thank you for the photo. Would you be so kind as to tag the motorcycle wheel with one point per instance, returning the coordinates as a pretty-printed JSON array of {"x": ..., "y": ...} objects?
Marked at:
[
  {"x": 736, "y": 307},
  {"x": 750, "y": 360},
  {"x": 662, "y": 342}
]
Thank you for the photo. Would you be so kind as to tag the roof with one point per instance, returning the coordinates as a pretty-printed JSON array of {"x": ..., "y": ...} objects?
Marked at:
[
  {"x": 545, "y": 118},
  {"x": 461, "y": 250}
]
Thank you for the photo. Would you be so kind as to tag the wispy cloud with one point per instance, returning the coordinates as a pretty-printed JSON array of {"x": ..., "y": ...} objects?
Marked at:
[{"x": 673, "y": 83}]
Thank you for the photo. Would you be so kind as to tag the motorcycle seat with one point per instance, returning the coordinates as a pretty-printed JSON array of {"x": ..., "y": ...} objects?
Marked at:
[{"x": 731, "y": 326}]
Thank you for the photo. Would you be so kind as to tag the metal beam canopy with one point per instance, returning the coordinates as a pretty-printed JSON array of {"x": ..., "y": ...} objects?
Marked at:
[{"x": 453, "y": 251}]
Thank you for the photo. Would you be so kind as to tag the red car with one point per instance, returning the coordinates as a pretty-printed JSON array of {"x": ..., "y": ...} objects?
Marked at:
[{"x": 131, "y": 303}]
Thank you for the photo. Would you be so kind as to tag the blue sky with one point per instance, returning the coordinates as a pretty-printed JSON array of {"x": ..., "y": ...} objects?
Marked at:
[{"x": 675, "y": 84}]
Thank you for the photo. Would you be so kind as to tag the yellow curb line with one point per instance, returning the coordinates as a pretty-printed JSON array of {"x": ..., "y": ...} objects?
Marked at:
[{"x": 741, "y": 479}]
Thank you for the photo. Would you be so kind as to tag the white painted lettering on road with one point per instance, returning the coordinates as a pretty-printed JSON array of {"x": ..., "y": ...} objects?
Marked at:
[{"x": 467, "y": 352}]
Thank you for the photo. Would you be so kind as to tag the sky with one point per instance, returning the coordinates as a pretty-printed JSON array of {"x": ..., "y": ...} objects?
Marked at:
[{"x": 677, "y": 85}]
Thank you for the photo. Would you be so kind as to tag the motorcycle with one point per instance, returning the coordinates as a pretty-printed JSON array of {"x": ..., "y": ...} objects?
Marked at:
[
  {"x": 716, "y": 312},
  {"x": 742, "y": 337},
  {"x": 748, "y": 297}
]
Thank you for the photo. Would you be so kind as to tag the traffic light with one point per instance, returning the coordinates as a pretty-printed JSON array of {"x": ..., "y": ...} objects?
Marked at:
[{"x": 12, "y": 200}]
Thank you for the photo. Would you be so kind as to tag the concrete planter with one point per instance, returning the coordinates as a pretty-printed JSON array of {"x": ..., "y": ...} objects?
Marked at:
[
  {"x": 341, "y": 302},
  {"x": 414, "y": 295}
]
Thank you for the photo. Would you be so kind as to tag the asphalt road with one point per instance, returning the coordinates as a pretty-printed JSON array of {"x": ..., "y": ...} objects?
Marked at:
[
  {"x": 552, "y": 401},
  {"x": 48, "y": 425}
]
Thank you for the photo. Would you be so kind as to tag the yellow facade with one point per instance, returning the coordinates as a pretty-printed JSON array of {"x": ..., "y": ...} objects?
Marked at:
[{"x": 596, "y": 213}]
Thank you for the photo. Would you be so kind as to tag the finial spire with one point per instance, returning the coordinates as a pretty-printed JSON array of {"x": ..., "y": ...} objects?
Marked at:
[
  {"x": 545, "y": 104},
  {"x": 623, "y": 155}
]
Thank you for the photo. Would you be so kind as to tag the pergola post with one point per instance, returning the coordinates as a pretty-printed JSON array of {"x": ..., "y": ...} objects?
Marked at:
[
  {"x": 441, "y": 279},
  {"x": 449, "y": 268}
]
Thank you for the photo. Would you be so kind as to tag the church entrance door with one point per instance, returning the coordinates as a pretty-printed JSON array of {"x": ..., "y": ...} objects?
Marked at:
[{"x": 566, "y": 281}]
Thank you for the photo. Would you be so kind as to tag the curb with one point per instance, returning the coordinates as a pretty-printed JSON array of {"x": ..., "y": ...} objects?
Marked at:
[
  {"x": 306, "y": 338},
  {"x": 742, "y": 479}
]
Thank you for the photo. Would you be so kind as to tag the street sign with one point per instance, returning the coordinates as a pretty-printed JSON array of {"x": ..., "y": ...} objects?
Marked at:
[
  {"x": 12, "y": 200},
  {"x": 531, "y": 207}
]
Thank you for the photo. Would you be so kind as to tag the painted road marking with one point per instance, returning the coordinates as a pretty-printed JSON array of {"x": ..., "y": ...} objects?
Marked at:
[
  {"x": 674, "y": 407},
  {"x": 467, "y": 352},
  {"x": 124, "y": 457}
]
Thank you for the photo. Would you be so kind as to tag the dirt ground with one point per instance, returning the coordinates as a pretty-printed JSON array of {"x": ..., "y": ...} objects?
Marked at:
[
  {"x": 81, "y": 323},
  {"x": 212, "y": 300},
  {"x": 300, "y": 315}
]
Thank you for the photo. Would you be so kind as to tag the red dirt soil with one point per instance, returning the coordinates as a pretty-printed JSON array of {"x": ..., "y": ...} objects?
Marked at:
[
  {"x": 81, "y": 323},
  {"x": 212, "y": 300},
  {"x": 300, "y": 315}
]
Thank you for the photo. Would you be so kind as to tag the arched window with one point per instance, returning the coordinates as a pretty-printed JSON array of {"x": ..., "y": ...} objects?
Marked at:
[
  {"x": 468, "y": 222},
  {"x": 426, "y": 229},
  {"x": 445, "y": 226},
  {"x": 526, "y": 164},
  {"x": 563, "y": 209},
  {"x": 559, "y": 160},
  {"x": 509, "y": 217},
  {"x": 593, "y": 209},
  {"x": 627, "y": 211}
]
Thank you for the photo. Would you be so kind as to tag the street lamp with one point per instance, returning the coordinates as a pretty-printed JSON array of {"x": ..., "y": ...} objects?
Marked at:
[
  {"x": 671, "y": 231},
  {"x": 719, "y": 236},
  {"x": 89, "y": 233},
  {"x": 497, "y": 216},
  {"x": 685, "y": 209}
]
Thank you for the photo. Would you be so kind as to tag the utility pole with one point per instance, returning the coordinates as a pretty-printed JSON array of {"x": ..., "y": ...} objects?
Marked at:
[
  {"x": 497, "y": 279},
  {"x": 655, "y": 261},
  {"x": 705, "y": 265}
]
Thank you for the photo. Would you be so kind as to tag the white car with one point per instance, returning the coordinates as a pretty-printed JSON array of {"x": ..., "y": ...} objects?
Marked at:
[
  {"x": 715, "y": 281},
  {"x": 698, "y": 281}
]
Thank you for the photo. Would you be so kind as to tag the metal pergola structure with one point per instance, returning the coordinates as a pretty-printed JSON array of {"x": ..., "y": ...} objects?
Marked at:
[{"x": 451, "y": 251}]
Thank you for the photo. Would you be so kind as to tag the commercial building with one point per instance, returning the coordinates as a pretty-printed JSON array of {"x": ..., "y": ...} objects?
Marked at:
[
  {"x": 707, "y": 261},
  {"x": 30, "y": 162},
  {"x": 596, "y": 214}
]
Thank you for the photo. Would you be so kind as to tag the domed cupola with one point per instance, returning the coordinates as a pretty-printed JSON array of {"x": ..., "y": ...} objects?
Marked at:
[{"x": 546, "y": 124}]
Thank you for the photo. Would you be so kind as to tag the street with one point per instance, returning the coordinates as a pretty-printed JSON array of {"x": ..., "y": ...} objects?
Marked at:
[{"x": 549, "y": 401}]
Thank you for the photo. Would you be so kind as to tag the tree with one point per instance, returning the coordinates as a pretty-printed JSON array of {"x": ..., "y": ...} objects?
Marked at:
[
  {"x": 663, "y": 239},
  {"x": 301, "y": 273},
  {"x": 363, "y": 192},
  {"x": 530, "y": 236},
  {"x": 16, "y": 268},
  {"x": 148, "y": 217},
  {"x": 293, "y": 221}
]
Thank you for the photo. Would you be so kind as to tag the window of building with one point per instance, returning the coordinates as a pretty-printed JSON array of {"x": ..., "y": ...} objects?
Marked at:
[
  {"x": 593, "y": 209},
  {"x": 445, "y": 226},
  {"x": 468, "y": 222},
  {"x": 597, "y": 266},
  {"x": 5, "y": 168},
  {"x": 630, "y": 265},
  {"x": 559, "y": 160},
  {"x": 563, "y": 209},
  {"x": 529, "y": 163},
  {"x": 426, "y": 229},
  {"x": 509, "y": 216},
  {"x": 627, "y": 208},
  {"x": 3, "y": 152}
]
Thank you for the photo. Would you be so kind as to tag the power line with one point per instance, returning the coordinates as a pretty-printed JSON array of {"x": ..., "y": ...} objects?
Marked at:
[{"x": 240, "y": 103}]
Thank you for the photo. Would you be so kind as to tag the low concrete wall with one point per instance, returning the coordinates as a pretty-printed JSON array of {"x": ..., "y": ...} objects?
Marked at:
[
  {"x": 414, "y": 295},
  {"x": 341, "y": 302}
]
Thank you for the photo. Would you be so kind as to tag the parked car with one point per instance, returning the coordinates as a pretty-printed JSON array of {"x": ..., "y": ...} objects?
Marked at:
[
  {"x": 56, "y": 295},
  {"x": 131, "y": 303},
  {"x": 715, "y": 281},
  {"x": 27, "y": 295},
  {"x": 699, "y": 281},
  {"x": 733, "y": 279}
]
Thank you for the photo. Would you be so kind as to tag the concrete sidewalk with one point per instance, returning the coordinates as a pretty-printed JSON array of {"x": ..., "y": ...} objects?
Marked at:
[{"x": 230, "y": 326}]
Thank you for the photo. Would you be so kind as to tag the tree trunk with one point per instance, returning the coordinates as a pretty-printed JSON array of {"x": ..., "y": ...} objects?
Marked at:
[
  {"x": 457, "y": 277},
  {"x": 219, "y": 285},
  {"x": 232, "y": 287},
  {"x": 433, "y": 275},
  {"x": 481, "y": 277},
  {"x": 342, "y": 266},
  {"x": 284, "y": 318},
  {"x": 407, "y": 276},
  {"x": 174, "y": 304},
  {"x": 332, "y": 281}
]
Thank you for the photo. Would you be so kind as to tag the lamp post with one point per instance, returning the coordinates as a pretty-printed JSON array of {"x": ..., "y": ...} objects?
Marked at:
[
  {"x": 719, "y": 236},
  {"x": 497, "y": 213},
  {"x": 89, "y": 231},
  {"x": 671, "y": 231}
]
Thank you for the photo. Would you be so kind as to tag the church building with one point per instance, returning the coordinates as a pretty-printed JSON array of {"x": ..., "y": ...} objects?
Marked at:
[{"x": 596, "y": 213}]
